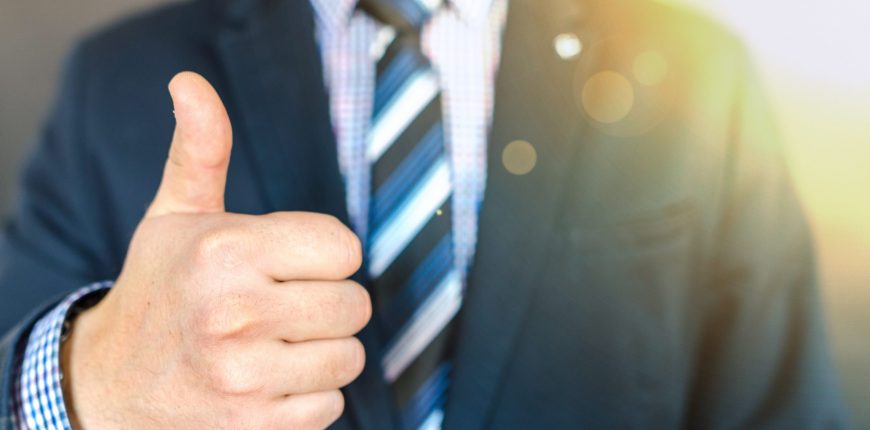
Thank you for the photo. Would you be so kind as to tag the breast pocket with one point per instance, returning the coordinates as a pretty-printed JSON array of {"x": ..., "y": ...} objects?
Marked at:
[{"x": 629, "y": 289}]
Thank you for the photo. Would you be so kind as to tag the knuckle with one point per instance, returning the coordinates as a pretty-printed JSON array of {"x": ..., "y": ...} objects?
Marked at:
[
  {"x": 223, "y": 317},
  {"x": 228, "y": 376},
  {"x": 217, "y": 246},
  {"x": 334, "y": 238}
]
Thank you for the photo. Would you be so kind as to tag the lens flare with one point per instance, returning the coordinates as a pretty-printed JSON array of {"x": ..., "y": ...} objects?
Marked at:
[{"x": 608, "y": 97}]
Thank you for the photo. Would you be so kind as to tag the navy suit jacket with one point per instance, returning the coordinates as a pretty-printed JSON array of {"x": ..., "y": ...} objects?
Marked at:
[{"x": 655, "y": 272}]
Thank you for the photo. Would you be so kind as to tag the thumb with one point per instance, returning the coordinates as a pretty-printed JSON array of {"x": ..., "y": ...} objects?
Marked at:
[{"x": 195, "y": 174}]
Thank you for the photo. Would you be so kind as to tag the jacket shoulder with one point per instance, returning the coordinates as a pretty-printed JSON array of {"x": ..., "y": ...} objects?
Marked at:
[
  {"x": 677, "y": 28},
  {"x": 173, "y": 25},
  {"x": 703, "y": 61}
]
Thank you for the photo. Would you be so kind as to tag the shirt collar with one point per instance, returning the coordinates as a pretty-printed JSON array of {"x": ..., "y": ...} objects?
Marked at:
[
  {"x": 333, "y": 13},
  {"x": 473, "y": 11}
]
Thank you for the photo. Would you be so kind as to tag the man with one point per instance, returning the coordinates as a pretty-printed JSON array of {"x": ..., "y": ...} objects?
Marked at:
[{"x": 567, "y": 213}]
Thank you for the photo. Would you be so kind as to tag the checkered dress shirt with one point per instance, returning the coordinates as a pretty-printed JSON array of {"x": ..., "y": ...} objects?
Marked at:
[
  {"x": 39, "y": 394},
  {"x": 463, "y": 43}
]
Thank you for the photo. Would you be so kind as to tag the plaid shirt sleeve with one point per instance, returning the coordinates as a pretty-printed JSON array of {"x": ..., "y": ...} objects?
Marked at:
[{"x": 38, "y": 394}]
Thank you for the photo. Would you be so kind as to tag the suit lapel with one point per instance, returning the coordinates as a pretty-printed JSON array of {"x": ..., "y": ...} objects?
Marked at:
[
  {"x": 275, "y": 75},
  {"x": 534, "y": 103},
  {"x": 272, "y": 61}
]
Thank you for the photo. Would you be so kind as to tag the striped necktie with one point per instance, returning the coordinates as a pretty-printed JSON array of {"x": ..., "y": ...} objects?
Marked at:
[{"x": 417, "y": 287}]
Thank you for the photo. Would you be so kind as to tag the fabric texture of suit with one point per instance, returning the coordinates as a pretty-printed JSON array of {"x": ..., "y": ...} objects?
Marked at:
[{"x": 652, "y": 273}]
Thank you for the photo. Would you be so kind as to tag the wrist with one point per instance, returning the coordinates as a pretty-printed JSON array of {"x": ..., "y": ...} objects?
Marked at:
[
  {"x": 66, "y": 385},
  {"x": 80, "y": 362}
]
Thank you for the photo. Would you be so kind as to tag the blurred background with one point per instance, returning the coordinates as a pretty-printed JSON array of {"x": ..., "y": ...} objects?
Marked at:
[{"x": 813, "y": 55}]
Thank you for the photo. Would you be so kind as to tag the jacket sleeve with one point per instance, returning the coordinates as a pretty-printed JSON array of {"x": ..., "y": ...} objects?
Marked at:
[
  {"x": 12, "y": 346},
  {"x": 55, "y": 241},
  {"x": 8, "y": 351},
  {"x": 764, "y": 360}
]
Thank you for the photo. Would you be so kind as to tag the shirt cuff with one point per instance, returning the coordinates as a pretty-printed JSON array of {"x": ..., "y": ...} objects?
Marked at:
[{"x": 38, "y": 392}]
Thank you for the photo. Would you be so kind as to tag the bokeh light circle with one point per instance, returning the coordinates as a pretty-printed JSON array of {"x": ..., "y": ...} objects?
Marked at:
[
  {"x": 519, "y": 157},
  {"x": 608, "y": 97},
  {"x": 567, "y": 45}
]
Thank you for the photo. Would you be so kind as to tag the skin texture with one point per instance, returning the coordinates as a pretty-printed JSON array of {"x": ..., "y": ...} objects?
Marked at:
[{"x": 218, "y": 320}]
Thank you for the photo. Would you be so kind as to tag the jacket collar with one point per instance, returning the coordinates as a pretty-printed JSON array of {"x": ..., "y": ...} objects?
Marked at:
[{"x": 334, "y": 13}]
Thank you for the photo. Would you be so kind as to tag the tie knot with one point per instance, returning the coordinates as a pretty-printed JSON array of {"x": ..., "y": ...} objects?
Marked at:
[{"x": 404, "y": 15}]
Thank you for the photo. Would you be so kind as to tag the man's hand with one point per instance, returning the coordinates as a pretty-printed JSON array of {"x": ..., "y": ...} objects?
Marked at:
[{"x": 219, "y": 320}]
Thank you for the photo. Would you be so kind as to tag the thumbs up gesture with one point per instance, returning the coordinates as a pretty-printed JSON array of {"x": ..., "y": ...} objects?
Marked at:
[{"x": 218, "y": 320}]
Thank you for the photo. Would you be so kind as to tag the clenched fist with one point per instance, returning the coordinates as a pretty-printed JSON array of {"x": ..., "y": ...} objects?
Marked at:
[{"x": 219, "y": 320}]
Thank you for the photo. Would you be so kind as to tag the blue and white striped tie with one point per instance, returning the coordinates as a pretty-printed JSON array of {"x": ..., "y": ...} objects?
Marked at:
[{"x": 411, "y": 264}]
